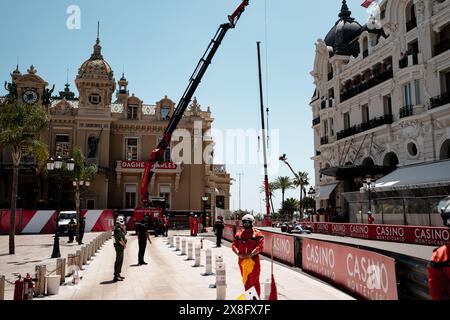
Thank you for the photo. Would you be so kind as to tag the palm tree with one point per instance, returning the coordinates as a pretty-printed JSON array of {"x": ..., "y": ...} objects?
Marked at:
[
  {"x": 21, "y": 125},
  {"x": 283, "y": 184},
  {"x": 272, "y": 188},
  {"x": 302, "y": 181},
  {"x": 290, "y": 206}
]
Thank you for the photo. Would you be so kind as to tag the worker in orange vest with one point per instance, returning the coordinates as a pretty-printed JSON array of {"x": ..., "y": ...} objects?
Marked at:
[
  {"x": 248, "y": 244},
  {"x": 439, "y": 268},
  {"x": 191, "y": 223}
]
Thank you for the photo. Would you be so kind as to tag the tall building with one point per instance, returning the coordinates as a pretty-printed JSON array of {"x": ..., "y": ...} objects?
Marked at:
[
  {"x": 117, "y": 135},
  {"x": 382, "y": 104}
]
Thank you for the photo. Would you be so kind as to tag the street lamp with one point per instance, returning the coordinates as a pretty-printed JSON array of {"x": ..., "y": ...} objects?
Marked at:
[
  {"x": 369, "y": 186},
  {"x": 312, "y": 194},
  {"x": 51, "y": 166},
  {"x": 204, "y": 199}
]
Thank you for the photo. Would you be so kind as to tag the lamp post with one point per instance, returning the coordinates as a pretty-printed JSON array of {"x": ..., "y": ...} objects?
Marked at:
[
  {"x": 312, "y": 194},
  {"x": 53, "y": 165},
  {"x": 77, "y": 183},
  {"x": 369, "y": 186},
  {"x": 204, "y": 200}
]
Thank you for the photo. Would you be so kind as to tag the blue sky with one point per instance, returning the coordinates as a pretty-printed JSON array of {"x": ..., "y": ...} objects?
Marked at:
[{"x": 159, "y": 42}]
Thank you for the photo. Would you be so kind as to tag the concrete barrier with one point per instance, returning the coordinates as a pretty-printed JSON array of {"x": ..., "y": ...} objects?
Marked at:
[
  {"x": 183, "y": 247},
  {"x": 197, "y": 255},
  {"x": 208, "y": 263},
  {"x": 177, "y": 246},
  {"x": 221, "y": 284},
  {"x": 190, "y": 251},
  {"x": 52, "y": 284},
  {"x": 171, "y": 242}
]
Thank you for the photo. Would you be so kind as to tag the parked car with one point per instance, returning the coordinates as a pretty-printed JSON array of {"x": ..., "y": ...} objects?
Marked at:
[{"x": 64, "y": 219}]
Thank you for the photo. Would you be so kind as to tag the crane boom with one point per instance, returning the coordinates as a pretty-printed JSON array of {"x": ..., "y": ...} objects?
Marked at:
[{"x": 157, "y": 155}]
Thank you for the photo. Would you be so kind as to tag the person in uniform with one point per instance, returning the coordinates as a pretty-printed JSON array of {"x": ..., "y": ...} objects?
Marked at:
[
  {"x": 370, "y": 218},
  {"x": 218, "y": 227},
  {"x": 439, "y": 267},
  {"x": 195, "y": 226},
  {"x": 71, "y": 227},
  {"x": 166, "y": 222},
  {"x": 81, "y": 230},
  {"x": 191, "y": 223},
  {"x": 120, "y": 243},
  {"x": 247, "y": 245},
  {"x": 143, "y": 236}
]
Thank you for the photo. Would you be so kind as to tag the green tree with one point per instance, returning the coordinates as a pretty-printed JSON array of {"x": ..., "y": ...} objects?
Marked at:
[
  {"x": 283, "y": 184},
  {"x": 272, "y": 188},
  {"x": 20, "y": 127},
  {"x": 290, "y": 205},
  {"x": 301, "y": 181}
]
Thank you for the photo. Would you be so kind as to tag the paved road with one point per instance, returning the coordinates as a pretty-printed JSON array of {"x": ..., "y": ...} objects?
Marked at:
[{"x": 168, "y": 276}]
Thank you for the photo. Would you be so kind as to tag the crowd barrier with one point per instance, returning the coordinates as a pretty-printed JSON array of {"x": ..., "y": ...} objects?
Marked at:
[
  {"x": 44, "y": 221},
  {"x": 363, "y": 272}
]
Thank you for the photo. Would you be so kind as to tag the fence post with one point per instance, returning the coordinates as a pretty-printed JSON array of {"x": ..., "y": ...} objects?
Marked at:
[
  {"x": 2, "y": 287},
  {"x": 41, "y": 270},
  {"x": 61, "y": 269}
]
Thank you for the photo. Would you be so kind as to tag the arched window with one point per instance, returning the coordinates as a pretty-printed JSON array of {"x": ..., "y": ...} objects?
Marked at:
[
  {"x": 445, "y": 150},
  {"x": 365, "y": 47},
  {"x": 368, "y": 162},
  {"x": 411, "y": 20},
  {"x": 391, "y": 160}
]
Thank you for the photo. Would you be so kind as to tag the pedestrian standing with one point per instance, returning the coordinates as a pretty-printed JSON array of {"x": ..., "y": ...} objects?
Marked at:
[
  {"x": 247, "y": 245},
  {"x": 71, "y": 228},
  {"x": 166, "y": 225},
  {"x": 120, "y": 244},
  {"x": 195, "y": 226},
  {"x": 81, "y": 230},
  {"x": 143, "y": 236},
  {"x": 439, "y": 268},
  {"x": 191, "y": 223},
  {"x": 218, "y": 227},
  {"x": 370, "y": 218}
]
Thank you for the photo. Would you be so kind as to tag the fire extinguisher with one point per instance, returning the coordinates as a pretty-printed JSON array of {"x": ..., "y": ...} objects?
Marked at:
[
  {"x": 18, "y": 289},
  {"x": 28, "y": 288}
]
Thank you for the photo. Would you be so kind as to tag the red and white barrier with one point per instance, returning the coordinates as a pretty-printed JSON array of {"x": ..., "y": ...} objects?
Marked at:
[{"x": 44, "y": 221}]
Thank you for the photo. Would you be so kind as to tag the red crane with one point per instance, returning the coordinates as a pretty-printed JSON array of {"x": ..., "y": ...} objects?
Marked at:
[{"x": 157, "y": 155}]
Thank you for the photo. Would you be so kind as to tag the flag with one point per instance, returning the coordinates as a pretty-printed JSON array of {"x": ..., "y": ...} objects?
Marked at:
[
  {"x": 247, "y": 268},
  {"x": 367, "y": 3},
  {"x": 273, "y": 290}
]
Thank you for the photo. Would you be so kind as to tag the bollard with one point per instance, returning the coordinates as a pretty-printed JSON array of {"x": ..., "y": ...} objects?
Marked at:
[
  {"x": 2, "y": 287},
  {"x": 85, "y": 254},
  {"x": 208, "y": 263},
  {"x": 61, "y": 269},
  {"x": 183, "y": 247},
  {"x": 267, "y": 289},
  {"x": 171, "y": 242},
  {"x": 41, "y": 270},
  {"x": 91, "y": 244},
  {"x": 70, "y": 258},
  {"x": 177, "y": 248},
  {"x": 197, "y": 256},
  {"x": 78, "y": 259},
  {"x": 190, "y": 253},
  {"x": 221, "y": 284}
]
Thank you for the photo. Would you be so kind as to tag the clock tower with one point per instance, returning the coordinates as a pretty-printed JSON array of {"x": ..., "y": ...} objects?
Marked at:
[
  {"x": 96, "y": 84},
  {"x": 30, "y": 88}
]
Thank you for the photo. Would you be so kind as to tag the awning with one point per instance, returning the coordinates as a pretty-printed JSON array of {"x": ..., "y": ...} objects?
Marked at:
[
  {"x": 325, "y": 191},
  {"x": 419, "y": 176}
]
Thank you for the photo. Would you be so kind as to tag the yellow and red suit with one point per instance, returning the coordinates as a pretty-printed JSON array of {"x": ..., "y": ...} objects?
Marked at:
[
  {"x": 439, "y": 274},
  {"x": 195, "y": 226},
  {"x": 251, "y": 242}
]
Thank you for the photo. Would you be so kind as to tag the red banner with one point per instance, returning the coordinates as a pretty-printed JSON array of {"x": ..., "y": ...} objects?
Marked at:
[
  {"x": 365, "y": 273},
  {"x": 283, "y": 247},
  {"x": 431, "y": 236}
]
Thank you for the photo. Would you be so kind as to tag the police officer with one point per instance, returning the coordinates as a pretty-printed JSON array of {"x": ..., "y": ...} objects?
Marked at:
[
  {"x": 439, "y": 268},
  {"x": 247, "y": 245},
  {"x": 81, "y": 230},
  {"x": 143, "y": 236},
  {"x": 120, "y": 243},
  {"x": 218, "y": 227},
  {"x": 71, "y": 227}
]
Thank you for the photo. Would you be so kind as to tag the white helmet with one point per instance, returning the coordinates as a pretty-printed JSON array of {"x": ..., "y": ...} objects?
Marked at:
[
  {"x": 248, "y": 217},
  {"x": 120, "y": 220}
]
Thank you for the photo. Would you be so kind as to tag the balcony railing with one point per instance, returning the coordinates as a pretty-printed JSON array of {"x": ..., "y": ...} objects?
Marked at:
[
  {"x": 442, "y": 47},
  {"x": 410, "y": 60},
  {"x": 323, "y": 104},
  {"x": 374, "y": 123},
  {"x": 406, "y": 111},
  {"x": 439, "y": 101},
  {"x": 324, "y": 140},
  {"x": 411, "y": 24},
  {"x": 316, "y": 121},
  {"x": 376, "y": 80}
]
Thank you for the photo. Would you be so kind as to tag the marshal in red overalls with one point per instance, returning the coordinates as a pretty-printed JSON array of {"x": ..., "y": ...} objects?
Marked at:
[
  {"x": 439, "y": 274},
  {"x": 250, "y": 242}
]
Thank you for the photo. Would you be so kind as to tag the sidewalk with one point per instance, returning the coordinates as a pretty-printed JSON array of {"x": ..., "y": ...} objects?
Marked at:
[
  {"x": 168, "y": 276},
  {"x": 33, "y": 250}
]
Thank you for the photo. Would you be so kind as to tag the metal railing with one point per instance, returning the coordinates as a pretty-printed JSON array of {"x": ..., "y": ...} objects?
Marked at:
[
  {"x": 442, "y": 47},
  {"x": 374, "y": 123},
  {"x": 411, "y": 24},
  {"x": 406, "y": 111},
  {"x": 366, "y": 85},
  {"x": 324, "y": 140},
  {"x": 316, "y": 121},
  {"x": 439, "y": 101}
]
